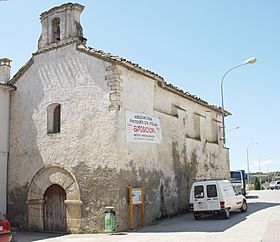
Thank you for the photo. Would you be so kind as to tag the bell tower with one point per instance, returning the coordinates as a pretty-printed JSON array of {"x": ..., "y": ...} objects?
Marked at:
[{"x": 61, "y": 25}]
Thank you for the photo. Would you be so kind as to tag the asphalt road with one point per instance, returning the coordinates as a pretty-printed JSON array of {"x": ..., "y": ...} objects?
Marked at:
[{"x": 260, "y": 223}]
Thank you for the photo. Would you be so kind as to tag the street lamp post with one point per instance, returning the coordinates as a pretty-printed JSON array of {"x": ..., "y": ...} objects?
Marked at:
[
  {"x": 260, "y": 177},
  {"x": 237, "y": 127},
  {"x": 248, "y": 167},
  {"x": 249, "y": 61}
]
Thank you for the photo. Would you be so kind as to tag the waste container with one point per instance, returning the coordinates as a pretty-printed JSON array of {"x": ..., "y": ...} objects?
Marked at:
[{"x": 110, "y": 219}]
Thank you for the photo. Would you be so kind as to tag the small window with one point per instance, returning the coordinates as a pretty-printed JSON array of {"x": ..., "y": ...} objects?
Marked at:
[
  {"x": 54, "y": 113},
  {"x": 198, "y": 192},
  {"x": 211, "y": 191},
  {"x": 55, "y": 30}
]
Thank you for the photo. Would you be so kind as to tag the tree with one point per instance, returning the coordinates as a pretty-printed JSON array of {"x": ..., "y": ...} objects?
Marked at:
[{"x": 257, "y": 185}]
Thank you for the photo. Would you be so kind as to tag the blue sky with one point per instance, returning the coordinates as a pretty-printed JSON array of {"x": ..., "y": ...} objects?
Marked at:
[{"x": 191, "y": 43}]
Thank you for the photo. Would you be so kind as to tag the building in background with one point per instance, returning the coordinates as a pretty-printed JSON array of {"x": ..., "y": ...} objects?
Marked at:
[
  {"x": 5, "y": 90},
  {"x": 85, "y": 125}
]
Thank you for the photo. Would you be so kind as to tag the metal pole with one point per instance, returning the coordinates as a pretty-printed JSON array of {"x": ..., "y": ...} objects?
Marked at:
[
  {"x": 248, "y": 169},
  {"x": 260, "y": 178},
  {"x": 222, "y": 97},
  {"x": 260, "y": 175}
]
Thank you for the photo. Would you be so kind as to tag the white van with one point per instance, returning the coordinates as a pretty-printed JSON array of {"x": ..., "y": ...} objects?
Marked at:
[{"x": 215, "y": 197}]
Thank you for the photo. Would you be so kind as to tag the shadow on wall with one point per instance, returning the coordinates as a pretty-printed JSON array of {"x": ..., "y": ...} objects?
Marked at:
[{"x": 186, "y": 223}]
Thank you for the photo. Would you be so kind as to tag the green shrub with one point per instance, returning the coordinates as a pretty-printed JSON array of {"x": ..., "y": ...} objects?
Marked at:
[{"x": 257, "y": 185}]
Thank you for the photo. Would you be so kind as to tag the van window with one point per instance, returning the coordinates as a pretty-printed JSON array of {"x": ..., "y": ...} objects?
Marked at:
[
  {"x": 198, "y": 192},
  {"x": 211, "y": 191}
]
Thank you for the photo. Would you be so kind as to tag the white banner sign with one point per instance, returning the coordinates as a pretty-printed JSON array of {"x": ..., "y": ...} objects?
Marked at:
[{"x": 142, "y": 128}]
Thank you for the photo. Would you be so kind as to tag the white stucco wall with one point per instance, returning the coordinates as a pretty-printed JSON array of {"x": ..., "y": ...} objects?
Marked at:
[
  {"x": 4, "y": 131},
  {"x": 167, "y": 170},
  {"x": 142, "y": 95},
  {"x": 77, "y": 82}
]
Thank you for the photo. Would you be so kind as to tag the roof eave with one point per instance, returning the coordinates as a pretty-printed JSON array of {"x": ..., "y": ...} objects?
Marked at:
[
  {"x": 21, "y": 71},
  {"x": 8, "y": 87},
  {"x": 129, "y": 65},
  {"x": 195, "y": 99},
  {"x": 161, "y": 82},
  {"x": 120, "y": 61}
]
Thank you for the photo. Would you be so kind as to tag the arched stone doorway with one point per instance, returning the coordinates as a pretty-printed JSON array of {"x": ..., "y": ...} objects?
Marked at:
[
  {"x": 54, "y": 209},
  {"x": 45, "y": 179}
]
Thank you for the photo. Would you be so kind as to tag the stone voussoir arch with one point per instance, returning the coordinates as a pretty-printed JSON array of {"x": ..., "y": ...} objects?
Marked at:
[{"x": 44, "y": 178}]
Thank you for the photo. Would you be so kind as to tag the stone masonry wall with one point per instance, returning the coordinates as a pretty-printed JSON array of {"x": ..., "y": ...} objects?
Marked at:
[{"x": 114, "y": 82}]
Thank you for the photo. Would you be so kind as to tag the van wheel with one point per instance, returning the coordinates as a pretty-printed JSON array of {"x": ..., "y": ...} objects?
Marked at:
[
  {"x": 197, "y": 216},
  {"x": 244, "y": 206},
  {"x": 226, "y": 213}
]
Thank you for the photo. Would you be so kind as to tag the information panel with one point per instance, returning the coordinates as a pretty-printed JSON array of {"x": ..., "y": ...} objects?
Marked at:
[
  {"x": 136, "y": 200},
  {"x": 136, "y": 196},
  {"x": 141, "y": 127}
]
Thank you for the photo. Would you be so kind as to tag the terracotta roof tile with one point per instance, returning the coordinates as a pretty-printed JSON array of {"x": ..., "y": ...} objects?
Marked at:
[{"x": 129, "y": 64}]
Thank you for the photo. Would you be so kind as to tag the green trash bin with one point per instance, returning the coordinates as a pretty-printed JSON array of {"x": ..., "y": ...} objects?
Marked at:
[{"x": 110, "y": 220}]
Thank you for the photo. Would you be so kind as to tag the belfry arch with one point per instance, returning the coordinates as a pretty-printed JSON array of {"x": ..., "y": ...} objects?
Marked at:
[{"x": 45, "y": 178}]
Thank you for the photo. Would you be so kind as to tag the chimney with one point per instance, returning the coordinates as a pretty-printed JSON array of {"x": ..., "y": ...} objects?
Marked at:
[{"x": 5, "y": 70}]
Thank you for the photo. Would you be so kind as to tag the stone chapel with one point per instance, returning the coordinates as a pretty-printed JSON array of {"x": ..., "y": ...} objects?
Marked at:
[{"x": 79, "y": 125}]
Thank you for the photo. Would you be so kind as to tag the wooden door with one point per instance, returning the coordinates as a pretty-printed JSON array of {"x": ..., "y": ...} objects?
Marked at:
[{"x": 54, "y": 209}]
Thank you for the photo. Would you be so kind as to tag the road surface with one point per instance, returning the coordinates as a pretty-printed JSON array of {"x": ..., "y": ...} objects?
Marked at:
[{"x": 260, "y": 223}]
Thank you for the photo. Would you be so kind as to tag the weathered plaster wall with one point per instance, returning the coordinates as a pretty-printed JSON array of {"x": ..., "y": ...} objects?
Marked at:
[
  {"x": 85, "y": 146},
  {"x": 94, "y": 96},
  {"x": 4, "y": 131},
  {"x": 190, "y": 149},
  {"x": 138, "y": 163}
]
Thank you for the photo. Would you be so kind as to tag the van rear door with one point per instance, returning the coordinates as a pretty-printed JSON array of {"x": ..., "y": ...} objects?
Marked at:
[
  {"x": 212, "y": 199},
  {"x": 199, "y": 200}
]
